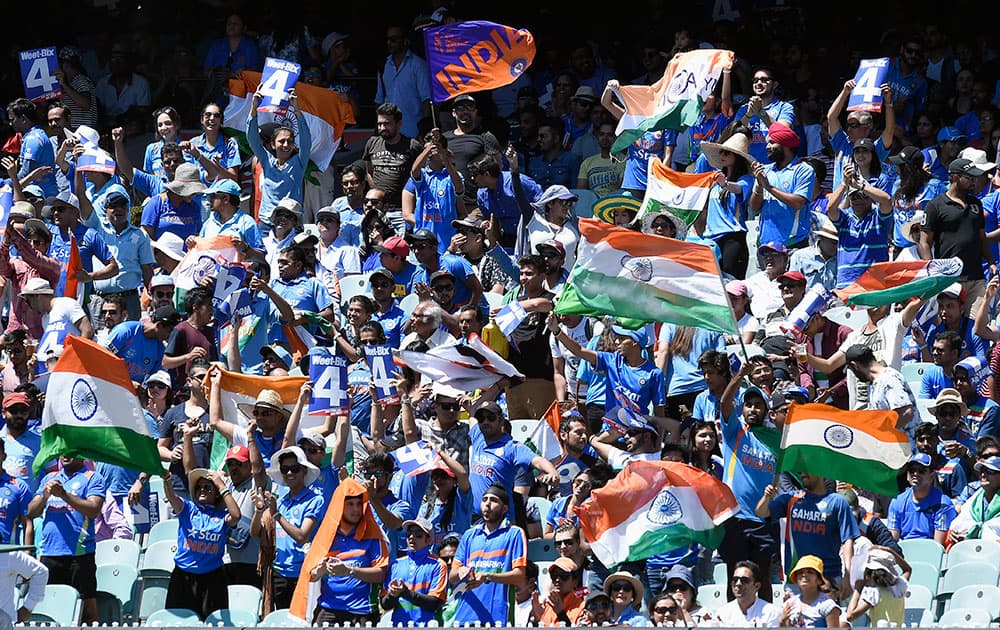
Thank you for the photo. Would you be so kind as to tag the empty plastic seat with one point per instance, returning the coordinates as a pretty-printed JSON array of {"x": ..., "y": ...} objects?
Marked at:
[
  {"x": 158, "y": 561},
  {"x": 116, "y": 588},
  {"x": 922, "y": 550},
  {"x": 984, "y": 597},
  {"x": 977, "y": 550},
  {"x": 164, "y": 530},
  {"x": 231, "y": 618},
  {"x": 967, "y": 574},
  {"x": 117, "y": 552},
  {"x": 61, "y": 606},
  {"x": 173, "y": 617},
  {"x": 925, "y": 574},
  {"x": 964, "y": 618},
  {"x": 245, "y": 597},
  {"x": 283, "y": 619}
]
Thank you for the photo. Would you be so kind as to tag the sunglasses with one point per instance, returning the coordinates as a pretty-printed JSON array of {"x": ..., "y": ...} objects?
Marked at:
[
  {"x": 257, "y": 413},
  {"x": 564, "y": 543},
  {"x": 109, "y": 313},
  {"x": 448, "y": 406},
  {"x": 62, "y": 208},
  {"x": 665, "y": 610},
  {"x": 492, "y": 417},
  {"x": 761, "y": 80},
  {"x": 372, "y": 201},
  {"x": 741, "y": 579},
  {"x": 381, "y": 285},
  {"x": 469, "y": 232},
  {"x": 621, "y": 586},
  {"x": 416, "y": 533},
  {"x": 294, "y": 469},
  {"x": 598, "y": 606},
  {"x": 163, "y": 294},
  {"x": 377, "y": 474},
  {"x": 421, "y": 245},
  {"x": 155, "y": 385},
  {"x": 677, "y": 587},
  {"x": 558, "y": 575},
  {"x": 314, "y": 450},
  {"x": 443, "y": 287},
  {"x": 204, "y": 487}
]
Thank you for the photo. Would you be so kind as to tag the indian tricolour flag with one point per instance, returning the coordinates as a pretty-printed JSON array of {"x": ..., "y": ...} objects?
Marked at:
[
  {"x": 683, "y": 195},
  {"x": 673, "y": 102},
  {"x": 237, "y": 388},
  {"x": 544, "y": 438},
  {"x": 652, "y": 507},
  {"x": 92, "y": 412},
  {"x": 202, "y": 259},
  {"x": 890, "y": 282},
  {"x": 863, "y": 448},
  {"x": 326, "y": 112},
  {"x": 645, "y": 278}
]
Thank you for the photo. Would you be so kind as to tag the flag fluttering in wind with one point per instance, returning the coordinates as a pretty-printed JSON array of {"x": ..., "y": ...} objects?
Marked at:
[
  {"x": 92, "y": 412},
  {"x": 544, "y": 438},
  {"x": 203, "y": 260},
  {"x": 675, "y": 101},
  {"x": 472, "y": 56},
  {"x": 890, "y": 282},
  {"x": 645, "y": 278},
  {"x": 326, "y": 112},
  {"x": 863, "y": 448},
  {"x": 683, "y": 195},
  {"x": 466, "y": 366},
  {"x": 652, "y": 507}
]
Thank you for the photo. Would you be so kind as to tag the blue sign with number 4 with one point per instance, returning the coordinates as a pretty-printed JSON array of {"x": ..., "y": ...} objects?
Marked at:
[
  {"x": 278, "y": 77},
  {"x": 38, "y": 72},
  {"x": 867, "y": 93}
]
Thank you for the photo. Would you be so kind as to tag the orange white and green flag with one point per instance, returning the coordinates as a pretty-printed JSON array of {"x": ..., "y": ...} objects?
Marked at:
[
  {"x": 862, "y": 448},
  {"x": 673, "y": 102},
  {"x": 641, "y": 277},
  {"x": 890, "y": 282},
  {"x": 684, "y": 195},
  {"x": 652, "y": 507}
]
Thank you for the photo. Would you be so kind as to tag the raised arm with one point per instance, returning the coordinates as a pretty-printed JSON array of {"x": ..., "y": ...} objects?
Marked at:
[
  {"x": 607, "y": 99},
  {"x": 837, "y": 106},
  {"x": 568, "y": 342}
]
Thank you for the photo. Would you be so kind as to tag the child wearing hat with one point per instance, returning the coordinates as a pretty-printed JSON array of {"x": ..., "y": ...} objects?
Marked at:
[{"x": 812, "y": 607}]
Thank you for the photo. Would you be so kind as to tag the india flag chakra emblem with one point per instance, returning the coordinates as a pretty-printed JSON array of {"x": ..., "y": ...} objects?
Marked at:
[
  {"x": 665, "y": 510},
  {"x": 838, "y": 436},
  {"x": 82, "y": 400},
  {"x": 639, "y": 268}
]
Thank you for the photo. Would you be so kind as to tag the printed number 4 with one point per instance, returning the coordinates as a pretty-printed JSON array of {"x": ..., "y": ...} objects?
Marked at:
[
  {"x": 328, "y": 385},
  {"x": 275, "y": 87},
  {"x": 866, "y": 87},
  {"x": 39, "y": 77}
]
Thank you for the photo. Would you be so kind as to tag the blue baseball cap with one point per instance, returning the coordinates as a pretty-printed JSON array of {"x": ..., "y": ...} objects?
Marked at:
[
  {"x": 638, "y": 336},
  {"x": 922, "y": 459},
  {"x": 948, "y": 134},
  {"x": 990, "y": 463},
  {"x": 277, "y": 352},
  {"x": 756, "y": 391},
  {"x": 798, "y": 390},
  {"x": 227, "y": 186}
]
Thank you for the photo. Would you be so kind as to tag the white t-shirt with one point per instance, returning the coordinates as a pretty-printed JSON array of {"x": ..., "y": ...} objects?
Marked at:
[
  {"x": 579, "y": 334},
  {"x": 766, "y": 294},
  {"x": 540, "y": 230},
  {"x": 57, "y": 323},
  {"x": 761, "y": 613}
]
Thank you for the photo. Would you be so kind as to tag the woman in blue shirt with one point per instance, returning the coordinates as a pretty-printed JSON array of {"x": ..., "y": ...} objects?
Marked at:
[
  {"x": 677, "y": 356},
  {"x": 168, "y": 127},
  {"x": 198, "y": 581},
  {"x": 449, "y": 505},
  {"x": 726, "y": 219},
  {"x": 283, "y": 162},
  {"x": 625, "y": 591}
]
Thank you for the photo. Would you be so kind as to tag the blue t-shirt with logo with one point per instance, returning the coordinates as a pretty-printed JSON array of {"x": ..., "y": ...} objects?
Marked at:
[
  {"x": 142, "y": 355},
  {"x": 159, "y": 214},
  {"x": 496, "y": 462},
  {"x": 748, "y": 464},
  {"x": 288, "y": 554},
  {"x": 14, "y": 499},
  {"x": 818, "y": 525},
  {"x": 21, "y": 453},
  {"x": 634, "y": 388},
  {"x": 201, "y": 538},
  {"x": 65, "y": 531}
]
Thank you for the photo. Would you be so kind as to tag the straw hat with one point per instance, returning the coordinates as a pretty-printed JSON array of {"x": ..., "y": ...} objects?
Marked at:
[
  {"x": 637, "y": 590},
  {"x": 737, "y": 143},
  {"x": 948, "y": 396},
  {"x": 605, "y": 208},
  {"x": 266, "y": 398}
]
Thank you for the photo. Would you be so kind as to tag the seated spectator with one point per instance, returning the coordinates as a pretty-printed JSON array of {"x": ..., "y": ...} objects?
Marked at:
[
  {"x": 881, "y": 593},
  {"x": 812, "y": 607},
  {"x": 980, "y": 515},
  {"x": 626, "y": 592},
  {"x": 922, "y": 510},
  {"x": 563, "y": 604},
  {"x": 746, "y": 609}
]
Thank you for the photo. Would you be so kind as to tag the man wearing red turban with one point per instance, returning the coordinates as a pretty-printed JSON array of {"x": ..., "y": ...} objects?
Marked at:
[{"x": 783, "y": 190}]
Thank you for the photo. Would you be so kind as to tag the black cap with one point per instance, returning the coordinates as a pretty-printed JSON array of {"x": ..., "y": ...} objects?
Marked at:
[
  {"x": 167, "y": 315},
  {"x": 117, "y": 199},
  {"x": 464, "y": 98},
  {"x": 962, "y": 166},
  {"x": 473, "y": 223},
  {"x": 385, "y": 273},
  {"x": 864, "y": 143},
  {"x": 860, "y": 353},
  {"x": 907, "y": 155},
  {"x": 422, "y": 235}
]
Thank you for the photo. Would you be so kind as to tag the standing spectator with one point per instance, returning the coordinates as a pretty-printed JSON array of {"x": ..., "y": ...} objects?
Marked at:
[
  {"x": 954, "y": 227},
  {"x": 29, "y": 262},
  {"x": 552, "y": 220},
  {"x": 417, "y": 583},
  {"x": 503, "y": 197},
  {"x": 405, "y": 81},
  {"x": 531, "y": 356},
  {"x": 652, "y": 144},
  {"x": 168, "y": 124},
  {"x": 911, "y": 191},
  {"x": 859, "y": 127},
  {"x": 357, "y": 561},
  {"x": 554, "y": 165},
  {"x": 467, "y": 141},
  {"x": 140, "y": 344},
  {"x": 601, "y": 172},
  {"x": 20, "y": 445},
  {"x": 863, "y": 235},
  {"x": 198, "y": 581},
  {"x": 15, "y": 492},
  {"x": 922, "y": 510},
  {"x": 491, "y": 557},
  {"x": 762, "y": 110},
  {"x": 389, "y": 156},
  {"x": 69, "y": 501},
  {"x": 122, "y": 89},
  {"x": 36, "y": 150},
  {"x": 79, "y": 95},
  {"x": 906, "y": 78},
  {"x": 783, "y": 188},
  {"x": 725, "y": 221},
  {"x": 433, "y": 197},
  {"x": 887, "y": 389},
  {"x": 283, "y": 162}
]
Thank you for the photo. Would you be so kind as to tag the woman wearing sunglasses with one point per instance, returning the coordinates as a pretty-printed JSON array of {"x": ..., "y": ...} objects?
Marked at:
[
  {"x": 625, "y": 591},
  {"x": 664, "y": 610}
]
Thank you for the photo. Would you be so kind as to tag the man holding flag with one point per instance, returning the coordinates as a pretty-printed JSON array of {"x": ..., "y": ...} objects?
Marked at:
[{"x": 70, "y": 235}]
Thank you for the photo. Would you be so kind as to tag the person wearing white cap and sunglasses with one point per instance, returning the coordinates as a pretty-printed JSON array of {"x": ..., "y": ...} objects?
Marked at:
[
  {"x": 61, "y": 316},
  {"x": 980, "y": 515}
]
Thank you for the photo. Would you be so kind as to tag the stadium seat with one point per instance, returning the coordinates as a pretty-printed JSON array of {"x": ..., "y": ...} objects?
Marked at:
[
  {"x": 925, "y": 574},
  {"x": 973, "y": 573},
  {"x": 712, "y": 596},
  {"x": 232, "y": 618},
  {"x": 408, "y": 303},
  {"x": 521, "y": 429},
  {"x": 542, "y": 549},
  {"x": 916, "y": 617},
  {"x": 283, "y": 619},
  {"x": 356, "y": 284},
  {"x": 914, "y": 372},
  {"x": 584, "y": 208},
  {"x": 542, "y": 505},
  {"x": 152, "y": 596},
  {"x": 60, "y": 606},
  {"x": 164, "y": 530},
  {"x": 119, "y": 552},
  {"x": 976, "y": 549},
  {"x": 173, "y": 617},
  {"x": 158, "y": 561},
  {"x": 245, "y": 597},
  {"x": 919, "y": 596},
  {"x": 753, "y": 233},
  {"x": 720, "y": 573},
  {"x": 116, "y": 588},
  {"x": 922, "y": 550},
  {"x": 964, "y": 618},
  {"x": 984, "y": 597},
  {"x": 544, "y": 583}
]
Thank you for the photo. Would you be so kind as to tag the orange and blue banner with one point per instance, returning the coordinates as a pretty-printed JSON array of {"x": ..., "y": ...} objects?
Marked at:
[{"x": 473, "y": 56}]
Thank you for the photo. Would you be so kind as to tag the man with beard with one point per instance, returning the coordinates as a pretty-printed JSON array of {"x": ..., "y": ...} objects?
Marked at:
[
  {"x": 389, "y": 158},
  {"x": 783, "y": 190},
  {"x": 762, "y": 110},
  {"x": 467, "y": 141},
  {"x": 748, "y": 470}
]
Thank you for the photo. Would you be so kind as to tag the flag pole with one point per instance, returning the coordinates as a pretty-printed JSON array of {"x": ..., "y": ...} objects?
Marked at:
[{"x": 732, "y": 313}]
